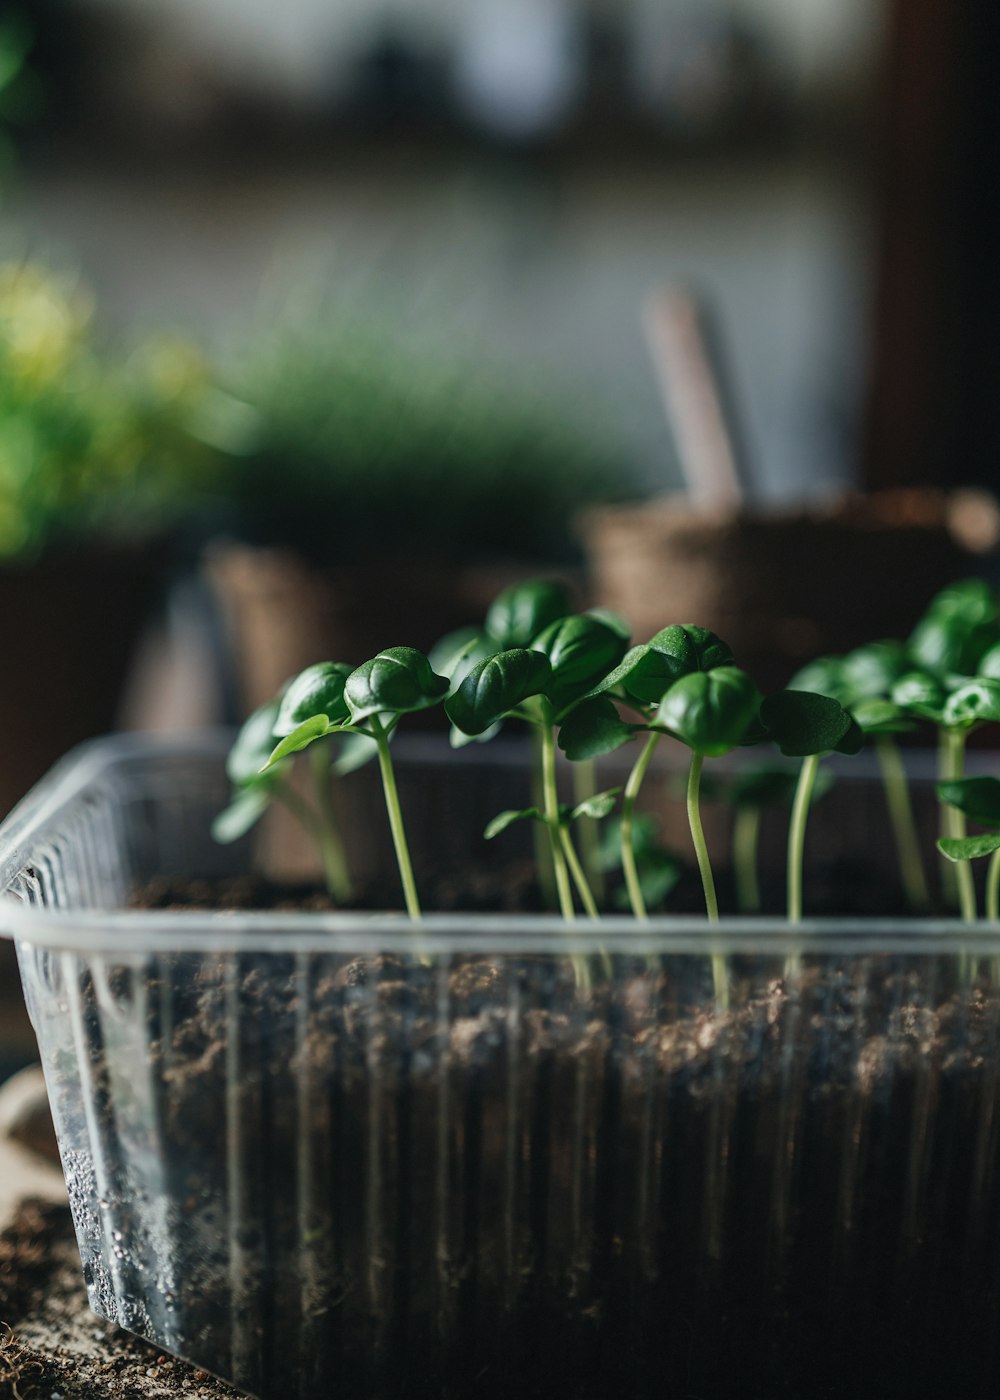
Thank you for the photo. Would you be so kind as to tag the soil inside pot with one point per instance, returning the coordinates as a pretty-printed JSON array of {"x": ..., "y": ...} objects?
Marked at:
[{"x": 477, "y": 1179}]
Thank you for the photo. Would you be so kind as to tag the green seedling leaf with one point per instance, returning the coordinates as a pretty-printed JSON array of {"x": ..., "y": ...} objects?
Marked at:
[
  {"x": 318, "y": 690},
  {"x": 397, "y": 681},
  {"x": 824, "y": 676},
  {"x": 307, "y": 733},
  {"x": 960, "y": 625},
  {"x": 978, "y": 798},
  {"x": 612, "y": 619},
  {"x": 710, "y": 711},
  {"x": 969, "y": 847},
  {"x": 971, "y": 598},
  {"x": 881, "y": 717},
  {"x": 659, "y": 873},
  {"x": 920, "y": 694},
  {"x": 497, "y": 686},
  {"x": 645, "y": 833},
  {"x": 456, "y": 653},
  {"x": 802, "y": 723},
  {"x": 245, "y": 810},
  {"x": 252, "y": 747},
  {"x": 580, "y": 650},
  {"x": 518, "y": 614},
  {"x": 594, "y": 728},
  {"x": 505, "y": 819},
  {"x": 975, "y": 702},
  {"x": 989, "y": 665},
  {"x": 853, "y": 741},
  {"x": 676, "y": 651},
  {"x": 870, "y": 672},
  {"x": 601, "y": 805}
]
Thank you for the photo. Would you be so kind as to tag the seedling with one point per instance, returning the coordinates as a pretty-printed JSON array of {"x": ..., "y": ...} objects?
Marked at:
[
  {"x": 979, "y": 799},
  {"x": 641, "y": 681},
  {"x": 863, "y": 681},
  {"x": 956, "y": 713},
  {"x": 371, "y": 702},
  {"x": 254, "y": 790},
  {"x": 807, "y": 726},
  {"x": 541, "y": 685},
  {"x": 750, "y": 794}
]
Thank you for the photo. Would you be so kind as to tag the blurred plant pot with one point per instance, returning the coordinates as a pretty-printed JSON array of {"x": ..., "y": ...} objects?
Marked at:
[
  {"x": 785, "y": 586},
  {"x": 282, "y": 612}
]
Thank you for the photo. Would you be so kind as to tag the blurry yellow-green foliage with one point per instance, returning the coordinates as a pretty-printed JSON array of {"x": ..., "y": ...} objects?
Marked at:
[{"x": 91, "y": 443}]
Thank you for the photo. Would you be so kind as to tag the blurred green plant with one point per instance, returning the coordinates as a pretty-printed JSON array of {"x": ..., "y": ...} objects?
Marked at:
[
  {"x": 370, "y": 440},
  {"x": 93, "y": 444}
]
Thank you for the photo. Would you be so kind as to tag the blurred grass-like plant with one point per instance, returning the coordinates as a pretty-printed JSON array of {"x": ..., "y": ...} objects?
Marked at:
[{"x": 395, "y": 442}]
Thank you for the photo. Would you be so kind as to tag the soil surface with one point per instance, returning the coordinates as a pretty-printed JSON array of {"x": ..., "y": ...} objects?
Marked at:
[{"x": 52, "y": 1345}]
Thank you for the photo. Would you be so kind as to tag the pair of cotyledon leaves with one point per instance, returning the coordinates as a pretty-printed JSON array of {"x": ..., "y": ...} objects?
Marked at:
[{"x": 979, "y": 799}]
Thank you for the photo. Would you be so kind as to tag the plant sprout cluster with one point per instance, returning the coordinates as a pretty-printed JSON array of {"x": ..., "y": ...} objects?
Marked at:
[{"x": 579, "y": 685}]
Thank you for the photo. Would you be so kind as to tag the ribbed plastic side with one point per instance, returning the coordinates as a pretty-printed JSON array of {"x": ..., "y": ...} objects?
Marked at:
[
  {"x": 374, "y": 1174},
  {"x": 418, "y": 1180}
]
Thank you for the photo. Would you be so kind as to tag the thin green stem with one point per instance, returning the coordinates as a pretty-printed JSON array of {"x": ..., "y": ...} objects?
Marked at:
[
  {"x": 577, "y": 874},
  {"x": 550, "y": 793},
  {"x": 632, "y": 786},
  {"x": 584, "y": 787},
  {"x": 746, "y": 833},
  {"x": 698, "y": 836},
  {"x": 797, "y": 834},
  {"x": 720, "y": 980},
  {"x": 993, "y": 888},
  {"x": 395, "y": 814},
  {"x": 541, "y": 840},
  {"x": 947, "y": 871},
  {"x": 904, "y": 828},
  {"x": 955, "y": 822},
  {"x": 331, "y": 846}
]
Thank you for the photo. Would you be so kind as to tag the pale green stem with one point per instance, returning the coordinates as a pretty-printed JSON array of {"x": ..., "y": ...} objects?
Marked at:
[
  {"x": 577, "y": 873},
  {"x": 314, "y": 825},
  {"x": 746, "y": 830},
  {"x": 698, "y": 837},
  {"x": 948, "y": 873},
  {"x": 541, "y": 841},
  {"x": 395, "y": 814},
  {"x": 587, "y": 899},
  {"x": 584, "y": 787},
  {"x": 551, "y": 800},
  {"x": 632, "y": 786},
  {"x": 719, "y": 978},
  {"x": 338, "y": 880},
  {"x": 955, "y": 822},
  {"x": 993, "y": 888},
  {"x": 797, "y": 834},
  {"x": 897, "y": 796}
]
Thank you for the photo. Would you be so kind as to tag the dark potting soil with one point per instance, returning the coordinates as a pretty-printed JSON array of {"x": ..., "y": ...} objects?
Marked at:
[{"x": 482, "y": 1180}]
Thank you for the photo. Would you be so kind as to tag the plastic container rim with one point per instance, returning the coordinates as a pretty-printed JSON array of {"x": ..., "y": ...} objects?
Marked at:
[{"x": 138, "y": 933}]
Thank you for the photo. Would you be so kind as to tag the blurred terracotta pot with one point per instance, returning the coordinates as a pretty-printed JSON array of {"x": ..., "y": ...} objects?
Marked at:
[{"x": 785, "y": 586}]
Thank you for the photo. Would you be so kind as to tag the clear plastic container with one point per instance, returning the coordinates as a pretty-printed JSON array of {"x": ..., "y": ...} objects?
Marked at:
[{"x": 326, "y": 1154}]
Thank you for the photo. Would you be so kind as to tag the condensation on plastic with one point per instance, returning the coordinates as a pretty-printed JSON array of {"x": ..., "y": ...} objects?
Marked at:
[{"x": 306, "y": 1147}]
